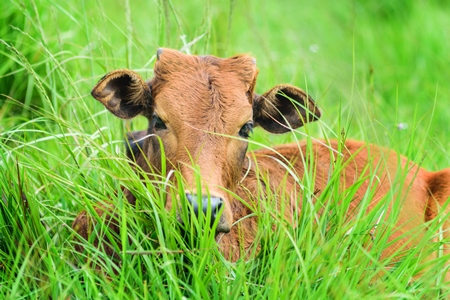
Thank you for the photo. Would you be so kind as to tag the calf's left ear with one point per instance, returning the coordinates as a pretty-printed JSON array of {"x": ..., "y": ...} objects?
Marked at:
[{"x": 283, "y": 108}]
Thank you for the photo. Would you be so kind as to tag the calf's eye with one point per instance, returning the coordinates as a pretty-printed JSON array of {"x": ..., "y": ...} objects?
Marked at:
[
  {"x": 246, "y": 130},
  {"x": 158, "y": 123}
]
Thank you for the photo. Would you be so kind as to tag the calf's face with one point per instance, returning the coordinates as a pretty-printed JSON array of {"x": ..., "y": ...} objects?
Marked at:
[{"x": 202, "y": 109}]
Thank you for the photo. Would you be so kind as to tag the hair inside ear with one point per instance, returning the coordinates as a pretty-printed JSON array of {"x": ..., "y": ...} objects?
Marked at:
[
  {"x": 284, "y": 108},
  {"x": 123, "y": 92}
]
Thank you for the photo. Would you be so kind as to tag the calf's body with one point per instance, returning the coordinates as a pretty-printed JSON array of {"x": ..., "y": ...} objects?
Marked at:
[
  {"x": 419, "y": 194},
  {"x": 202, "y": 109}
]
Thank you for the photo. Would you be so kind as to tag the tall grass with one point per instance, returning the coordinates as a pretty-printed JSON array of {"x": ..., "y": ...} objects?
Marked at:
[{"x": 378, "y": 70}]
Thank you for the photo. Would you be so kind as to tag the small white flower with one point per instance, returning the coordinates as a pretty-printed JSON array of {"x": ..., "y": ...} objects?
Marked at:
[
  {"x": 314, "y": 48},
  {"x": 402, "y": 126}
]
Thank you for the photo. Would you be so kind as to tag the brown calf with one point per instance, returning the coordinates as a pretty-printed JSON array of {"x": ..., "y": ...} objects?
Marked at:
[{"x": 203, "y": 109}]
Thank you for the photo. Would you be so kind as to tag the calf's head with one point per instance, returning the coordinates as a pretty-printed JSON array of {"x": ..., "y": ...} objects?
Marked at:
[{"x": 203, "y": 109}]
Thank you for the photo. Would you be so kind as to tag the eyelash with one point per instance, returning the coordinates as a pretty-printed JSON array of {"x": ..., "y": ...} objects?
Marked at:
[
  {"x": 246, "y": 130},
  {"x": 158, "y": 123}
]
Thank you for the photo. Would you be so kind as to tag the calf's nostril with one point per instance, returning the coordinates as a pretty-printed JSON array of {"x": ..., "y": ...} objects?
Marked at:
[
  {"x": 215, "y": 204},
  {"x": 192, "y": 199}
]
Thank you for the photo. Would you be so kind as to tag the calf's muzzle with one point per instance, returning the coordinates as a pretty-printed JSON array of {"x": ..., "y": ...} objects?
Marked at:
[{"x": 214, "y": 203}]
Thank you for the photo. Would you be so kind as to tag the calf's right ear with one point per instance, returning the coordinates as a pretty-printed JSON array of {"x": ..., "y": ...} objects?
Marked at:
[{"x": 124, "y": 93}]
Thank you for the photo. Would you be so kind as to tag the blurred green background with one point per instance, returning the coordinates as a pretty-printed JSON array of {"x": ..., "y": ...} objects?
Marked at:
[{"x": 379, "y": 71}]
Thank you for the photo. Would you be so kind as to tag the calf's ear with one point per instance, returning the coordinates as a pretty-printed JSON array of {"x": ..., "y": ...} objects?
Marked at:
[
  {"x": 283, "y": 108},
  {"x": 124, "y": 93}
]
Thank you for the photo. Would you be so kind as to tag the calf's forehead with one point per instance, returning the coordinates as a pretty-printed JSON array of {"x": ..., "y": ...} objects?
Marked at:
[
  {"x": 171, "y": 61},
  {"x": 205, "y": 90}
]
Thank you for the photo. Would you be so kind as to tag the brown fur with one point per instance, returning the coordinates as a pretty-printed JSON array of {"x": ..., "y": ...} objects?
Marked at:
[
  {"x": 199, "y": 105},
  {"x": 422, "y": 192}
]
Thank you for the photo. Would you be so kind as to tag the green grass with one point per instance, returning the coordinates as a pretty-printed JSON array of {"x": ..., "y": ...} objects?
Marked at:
[{"x": 372, "y": 67}]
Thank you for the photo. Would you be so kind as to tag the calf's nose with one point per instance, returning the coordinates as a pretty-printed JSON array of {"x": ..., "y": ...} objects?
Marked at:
[{"x": 214, "y": 202}]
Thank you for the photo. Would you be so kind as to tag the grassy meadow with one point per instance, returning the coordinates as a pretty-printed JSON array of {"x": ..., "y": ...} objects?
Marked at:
[{"x": 379, "y": 71}]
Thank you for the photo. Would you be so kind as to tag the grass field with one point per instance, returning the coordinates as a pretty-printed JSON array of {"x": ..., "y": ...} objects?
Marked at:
[{"x": 377, "y": 69}]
